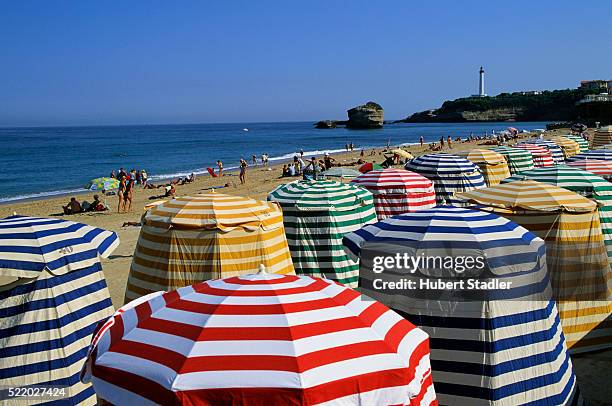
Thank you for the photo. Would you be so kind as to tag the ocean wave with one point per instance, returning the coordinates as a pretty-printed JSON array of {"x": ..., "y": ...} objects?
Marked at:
[{"x": 42, "y": 195}]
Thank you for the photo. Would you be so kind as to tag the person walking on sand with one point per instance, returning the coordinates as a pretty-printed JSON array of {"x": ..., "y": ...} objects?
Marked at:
[
  {"x": 220, "y": 167},
  {"x": 144, "y": 177},
  {"x": 254, "y": 159},
  {"x": 243, "y": 166},
  {"x": 449, "y": 141},
  {"x": 441, "y": 142},
  {"x": 422, "y": 141}
]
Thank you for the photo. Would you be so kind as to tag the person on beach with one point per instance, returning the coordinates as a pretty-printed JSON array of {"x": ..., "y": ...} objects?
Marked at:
[
  {"x": 113, "y": 175},
  {"x": 73, "y": 207},
  {"x": 220, "y": 168},
  {"x": 128, "y": 195},
  {"x": 328, "y": 161},
  {"x": 254, "y": 160},
  {"x": 144, "y": 178},
  {"x": 362, "y": 153},
  {"x": 243, "y": 166},
  {"x": 422, "y": 141},
  {"x": 121, "y": 193},
  {"x": 441, "y": 142},
  {"x": 121, "y": 174},
  {"x": 449, "y": 141},
  {"x": 264, "y": 159},
  {"x": 301, "y": 153},
  {"x": 285, "y": 171}
]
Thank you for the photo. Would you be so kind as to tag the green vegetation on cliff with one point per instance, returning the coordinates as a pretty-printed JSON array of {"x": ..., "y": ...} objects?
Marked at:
[{"x": 521, "y": 106}]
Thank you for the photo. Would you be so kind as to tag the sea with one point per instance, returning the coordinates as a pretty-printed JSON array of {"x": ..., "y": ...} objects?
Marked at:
[{"x": 37, "y": 162}]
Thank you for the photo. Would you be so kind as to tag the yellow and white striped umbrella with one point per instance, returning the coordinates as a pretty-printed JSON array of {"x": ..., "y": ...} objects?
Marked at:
[
  {"x": 492, "y": 164},
  {"x": 569, "y": 147},
  {"x": 576, "y": 254},
  {"x": 208, "y": 236},
  {"x": 602, "y": 137}
]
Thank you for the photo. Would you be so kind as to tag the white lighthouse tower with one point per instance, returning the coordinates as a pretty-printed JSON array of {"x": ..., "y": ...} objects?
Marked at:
[{"x": 481, "y": 91}]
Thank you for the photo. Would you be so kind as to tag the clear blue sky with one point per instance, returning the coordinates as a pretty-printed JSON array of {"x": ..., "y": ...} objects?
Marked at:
[{"x": 118, "y": 62}]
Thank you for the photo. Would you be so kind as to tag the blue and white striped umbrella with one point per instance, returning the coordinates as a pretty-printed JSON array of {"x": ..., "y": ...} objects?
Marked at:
[
  {"x": 555, "y": 150},
  {"x": 29, "y": 245},
  {"x": 491, "y": 351},
  {"x": 602, "y": 154},
  {"x": 449, "y": 173},
  {"x": 52, "y": 296}
]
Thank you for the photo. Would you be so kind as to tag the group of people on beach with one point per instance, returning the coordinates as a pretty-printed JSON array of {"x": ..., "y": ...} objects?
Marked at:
[
  {"x": 75, "y": 207},
  {"x": 139, "y": 176}
]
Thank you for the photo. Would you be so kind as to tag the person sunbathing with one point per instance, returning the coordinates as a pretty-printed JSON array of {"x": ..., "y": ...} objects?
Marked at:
[{"x": 73, "y": 207}]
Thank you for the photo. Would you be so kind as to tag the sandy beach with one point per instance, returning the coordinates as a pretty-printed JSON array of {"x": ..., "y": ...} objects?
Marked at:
[{"x": 259, "y": 182}]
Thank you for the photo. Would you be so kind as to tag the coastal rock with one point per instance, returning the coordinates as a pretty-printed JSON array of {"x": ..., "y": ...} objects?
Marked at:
[
  {"x": 325, "y": 124},
  {"x": 369, "y": 115}
]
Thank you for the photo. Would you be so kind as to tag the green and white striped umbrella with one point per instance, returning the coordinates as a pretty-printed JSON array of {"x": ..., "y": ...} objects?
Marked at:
[
  {"x": 581, "y": 182},
  {"x": 518, "y": 159},
  {"x": 584, "y": 144},
  {"x": 317, "y": 214}
]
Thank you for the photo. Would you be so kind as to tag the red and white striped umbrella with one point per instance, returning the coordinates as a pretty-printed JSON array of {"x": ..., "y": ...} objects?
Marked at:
[
  {"x": 264, "y": 339},
  {"x": 596, "y": 166},
  {"x": 541, "y": 156},
  {"x": 397, "y": 191}
]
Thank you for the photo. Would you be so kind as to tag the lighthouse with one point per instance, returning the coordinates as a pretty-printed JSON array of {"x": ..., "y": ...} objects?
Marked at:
[{"x": 481, "y": 91}]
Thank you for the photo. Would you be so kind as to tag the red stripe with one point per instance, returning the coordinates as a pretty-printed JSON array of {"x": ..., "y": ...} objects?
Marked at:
[
  {"x": 317, "y": 285},
  {"x": 373, "y": 312},
  {"x": 163, "y": 356},
  {"x": 240, "y": 363},
  {"x": 134, "y": 383},
  {"x": 273, "y": 281},
  {"x": 357, "y": 384},
  {"x": 398, "y": 332}
]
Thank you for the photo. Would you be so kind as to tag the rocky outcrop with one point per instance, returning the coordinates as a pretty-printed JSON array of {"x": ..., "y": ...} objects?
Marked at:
[
  {"x": 369, "y": 115},
  {"x": 326, "y": 124}
]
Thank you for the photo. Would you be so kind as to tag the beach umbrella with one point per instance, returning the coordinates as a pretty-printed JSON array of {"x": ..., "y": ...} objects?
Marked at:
[
  {"x": 569, "y": 146},
  {"x": 584, "y": 144},
  {"x": 207, "y": 236},
  {"x": 541, "y": 156},
  {"x": 340, "y": 172},
  {"x": 317, "y": 214},
  {"x": 52, "y": 296},
  {"x": 402, "y": 153},
  {"x": 518, "y": 159},
  {"x": 596, "y": 166},
  {"x": 397, "y": 191},
  {"x": 601, "y": 154},
  {"x": 486, "y": 348},
  {"x": 369, "y": 166},
  {"x": 607, "y": 146},
  {"x": 260, "y": 340},
  {"x": 449, "y": 174},
  {"x": 602, "y": 137},
  {"x": 103, "y": 184},
  {"x": 581, "y": 182},
  {"x": 555, "y": 150},
  {"x": 576, "y": 253},
  {"x": 492, "y": 164}
]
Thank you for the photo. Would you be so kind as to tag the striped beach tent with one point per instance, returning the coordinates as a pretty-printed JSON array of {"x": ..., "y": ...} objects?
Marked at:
[
  {"x": 260, "y": 340},
  {"x": 555, "y": 150},
  {"x": 492, "y": 164},
  {"x": 577, "y": 258},
  {"x": 207, "y": 236},
  {"x": 518, "y": 159},
  {"x": 584, "y": 144},
  {"x": 581, "y": 182},
  {"x": 501, "y": 347},
  {"x": 602, "y": 136},
  {"x": 449, "y": 174},
  {"x": 596, "y": 166},
  {"x": 317, "y": 214},
  {"x": 569, "y": 146},
  {"x": 397, "y": 191},
  {"x": 52, "y": 296},
  {"x": 601, "y": 154},
  {"x": 541, "y": 156}
]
